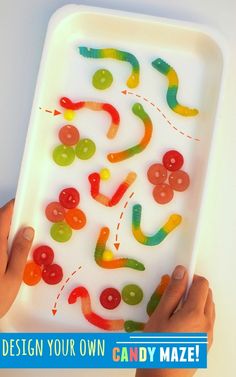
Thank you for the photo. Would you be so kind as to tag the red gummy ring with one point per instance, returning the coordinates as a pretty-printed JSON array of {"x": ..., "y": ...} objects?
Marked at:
[
  {"x": 55, "y": 212},
  {"x": 173, "y": 160},
  {"x": 69, "y": 198},
  {"x": 52, "y": 274},
  {"x": 163, "y": 193},
  {"x": 75, "y": 218},
  {"x": 179, "y": 180},
  {"x": 69, "y": 135},
  {"x": 110, "y": 298},
  {"x": 157, "y": 173},
  {"x": 43, "y": 255}
]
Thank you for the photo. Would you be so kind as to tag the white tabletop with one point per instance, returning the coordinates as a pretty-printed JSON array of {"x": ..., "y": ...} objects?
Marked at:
[{"x": 22, "y": 30}]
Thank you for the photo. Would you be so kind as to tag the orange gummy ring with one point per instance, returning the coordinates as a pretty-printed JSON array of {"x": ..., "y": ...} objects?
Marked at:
[
  {"x": 32, "y": 273},
  {"x": 75, "y": 218}
]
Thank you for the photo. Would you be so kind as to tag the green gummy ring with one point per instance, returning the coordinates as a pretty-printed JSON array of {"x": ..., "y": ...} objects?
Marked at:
[
  {"x": 132, "y": 294},
  {"x": 61, "y": 232},
  {"x": 102, "y": 79},
  {"x": 63, "y": 155},
  {"x": 85, "y": 149}
]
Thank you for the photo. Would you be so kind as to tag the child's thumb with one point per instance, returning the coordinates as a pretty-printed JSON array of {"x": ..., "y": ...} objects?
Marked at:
[
  {"x": 174, "y": 292},
  {"x": 19, "y": 252}
]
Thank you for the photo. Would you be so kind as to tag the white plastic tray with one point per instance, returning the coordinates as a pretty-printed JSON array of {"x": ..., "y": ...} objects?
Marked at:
[{"x": 197, "y": 54}]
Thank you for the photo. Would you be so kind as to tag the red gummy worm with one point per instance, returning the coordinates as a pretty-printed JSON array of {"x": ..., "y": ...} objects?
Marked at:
[
  {"x": 92, "y": 317},
  {"x": 66, "y": 103},
  {"x": 69, "y": 105},
  {"x": 95, "y": 180},
  {"x": 112, "y": 111}
]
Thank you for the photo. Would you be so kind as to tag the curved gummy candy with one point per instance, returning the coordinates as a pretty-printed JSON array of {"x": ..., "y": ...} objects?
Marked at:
[
  {"x": 173, "y": 85},
  {"x": 95, "y": 179},
  {"x": 173, "y": 221},
  {"x": 66, "y": 103},
  {"x": 131, "y": 326},
  {"x": 112, "y": 53},
  {"x": 93, "y": 318},
  {"x": 114, "y": 263},
  {"x": 139, "y": 111},
  {"x": 157, "y": 294}
]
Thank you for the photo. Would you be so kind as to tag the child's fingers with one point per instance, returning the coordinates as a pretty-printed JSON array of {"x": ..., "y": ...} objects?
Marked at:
[
  {"x": 174, "y": 292},
  {"x": 5, "y": 222},
  {"x": 197, "y": 295},
  {"x": 19, "y": 252}
]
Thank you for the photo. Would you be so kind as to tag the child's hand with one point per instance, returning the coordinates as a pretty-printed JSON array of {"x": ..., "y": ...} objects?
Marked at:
[
  {"x": 11, "y": 267},
  {"x": 197, "y": 314}
]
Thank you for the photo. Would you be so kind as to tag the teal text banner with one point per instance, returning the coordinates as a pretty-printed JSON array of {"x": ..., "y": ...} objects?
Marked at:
[{"x": 103, "y": 350}]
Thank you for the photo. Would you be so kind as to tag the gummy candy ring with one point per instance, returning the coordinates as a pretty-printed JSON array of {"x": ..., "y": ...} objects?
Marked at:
[{"x": 110, "y": 298}]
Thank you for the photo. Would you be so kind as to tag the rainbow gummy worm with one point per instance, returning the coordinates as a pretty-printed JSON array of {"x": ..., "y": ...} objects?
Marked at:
[
  {"x": 130, "y": 325},
  {"x": 173, "y": 221},
  {"x": 112, "y": 53},
  {"x": 66, "y": 103},
  {"x": 95, "y": 179},
  {"x": 139, "y": 111},
  {"x": 95, "y": 319},
  {"x": 114, "y": 263},
  {"x": 157, "y": 294},
  {"x": 172, "y": 90}
]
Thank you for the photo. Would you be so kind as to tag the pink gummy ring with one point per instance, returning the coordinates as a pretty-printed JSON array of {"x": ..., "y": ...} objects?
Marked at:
[
  {"x": 55, "y": 212},
  {"x": 43, "y": 255},
  {"x": 110, "y": 298},
  {"x": 157, "y": 173},
  {"x": 52, "y": 274},
  {"x": 163, "y": 193},
  {"x": 173, "y": 160},
  {"x": 69, "y": 135},
  {"x": 69, "y": 198},
  {"x": 179, "y": 180}
]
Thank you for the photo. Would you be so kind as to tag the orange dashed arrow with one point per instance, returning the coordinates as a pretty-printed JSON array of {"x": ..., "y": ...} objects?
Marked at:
[
  {"x": 54, "y": 310},
  {"x": 53, "y": 112},
  {"x": 117, "y": 245},
  {"x": 170, "y": 124}
]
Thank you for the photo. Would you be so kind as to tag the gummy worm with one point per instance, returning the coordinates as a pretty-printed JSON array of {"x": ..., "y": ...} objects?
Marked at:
[
  {"x": 173, "y": 221},
  {"x": 114, "y": 263},
  {"x": 172, "y": 90},
  {"x": 66, "y": 103},
  {"x": 93, "y": 318},
  {"x": 130, "y": 152},
  {"x": 130, "y": 325},
  {"x": 95, "y": 179},
  {"x": 157, "y": 294},
  {"x": 112, "y": 53}
]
